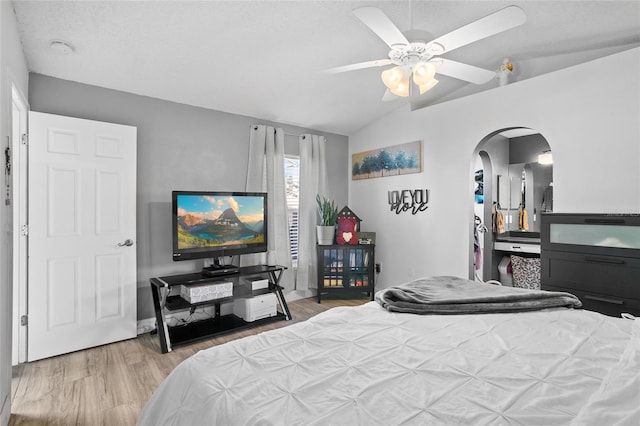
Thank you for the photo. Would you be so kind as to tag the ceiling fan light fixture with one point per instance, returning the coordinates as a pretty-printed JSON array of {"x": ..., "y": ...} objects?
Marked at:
[
  {"x": 418, "y": 60},
  {"x": 402, "y": 89},
  {"x": 427, "y": 86},
  {"x": 423, "y": 73},
  {"x": 393, "y": 77}
]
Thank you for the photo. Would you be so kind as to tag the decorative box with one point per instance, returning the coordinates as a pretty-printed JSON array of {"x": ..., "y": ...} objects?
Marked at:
[
  {"x": 255, "y": 282},
  {"x": 205, "y": 292},
  {"x": 254, "y": 308}
]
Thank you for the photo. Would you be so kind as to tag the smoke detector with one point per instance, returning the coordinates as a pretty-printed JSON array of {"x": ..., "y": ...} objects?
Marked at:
[{"x": 61, "y": 47}]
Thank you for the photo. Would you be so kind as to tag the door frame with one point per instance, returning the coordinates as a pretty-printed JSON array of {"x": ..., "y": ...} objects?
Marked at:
[{"x": 19, "y": 193}]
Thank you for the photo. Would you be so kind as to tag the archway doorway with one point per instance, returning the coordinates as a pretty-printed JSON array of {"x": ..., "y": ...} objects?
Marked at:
[{"x": 515, "y": 183}]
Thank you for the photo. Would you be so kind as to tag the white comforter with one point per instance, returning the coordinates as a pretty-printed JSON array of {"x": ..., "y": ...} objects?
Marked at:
[{"x": 367, "y": 366}]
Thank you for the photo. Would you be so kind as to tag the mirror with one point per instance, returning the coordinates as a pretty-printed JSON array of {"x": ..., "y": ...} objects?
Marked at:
[
  {"x": 522, "y": 181},
  {"x": 531, "y": 191},
  {"x": 530, "y": 184}
]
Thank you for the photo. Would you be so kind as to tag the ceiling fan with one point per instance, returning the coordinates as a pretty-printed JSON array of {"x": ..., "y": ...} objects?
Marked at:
[{"x": 421, "y": 59}]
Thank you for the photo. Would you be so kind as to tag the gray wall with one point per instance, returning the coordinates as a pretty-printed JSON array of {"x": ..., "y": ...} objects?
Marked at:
[{"x": 180, "y": 147}]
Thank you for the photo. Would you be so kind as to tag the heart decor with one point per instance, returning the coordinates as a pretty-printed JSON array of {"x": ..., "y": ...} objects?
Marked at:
[{"x": 346, "y": 231}]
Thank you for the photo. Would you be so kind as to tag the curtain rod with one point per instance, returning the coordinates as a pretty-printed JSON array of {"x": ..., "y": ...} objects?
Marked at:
[
  {"x": 255, "y": 127},
  {"x": 293, "y": 134}
]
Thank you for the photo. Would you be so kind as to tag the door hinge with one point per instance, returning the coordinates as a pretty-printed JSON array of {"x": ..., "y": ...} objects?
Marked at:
[
  {"x": 24, "y": 230},
  {"x": 25, "y": 139},
  {"x": 24, "y": 320}
]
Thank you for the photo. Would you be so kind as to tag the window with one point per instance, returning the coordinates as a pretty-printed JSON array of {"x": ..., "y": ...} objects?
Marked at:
[{"x": 292, "y": 188}]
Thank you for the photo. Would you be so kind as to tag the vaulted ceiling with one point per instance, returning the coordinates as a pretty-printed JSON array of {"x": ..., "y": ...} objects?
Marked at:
[{"x": 265, "y": 58}]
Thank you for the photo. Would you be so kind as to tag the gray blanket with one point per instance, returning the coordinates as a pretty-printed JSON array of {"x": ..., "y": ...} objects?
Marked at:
[{"x": 452, "y": 295}]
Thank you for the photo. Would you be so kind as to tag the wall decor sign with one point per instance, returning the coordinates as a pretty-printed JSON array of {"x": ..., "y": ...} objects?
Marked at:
[
  {"x": 390, "y": 161},
  {"x": 408, "y": 200}
]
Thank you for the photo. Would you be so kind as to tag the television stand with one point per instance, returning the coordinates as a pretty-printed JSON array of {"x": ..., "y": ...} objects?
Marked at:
[
  {"x": 218, "y": 270},
  {"x": 167, "y": 300}
]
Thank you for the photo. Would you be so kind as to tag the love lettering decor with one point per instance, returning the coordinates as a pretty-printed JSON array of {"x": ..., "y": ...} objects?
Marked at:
[{"x": 413, "y": 200}]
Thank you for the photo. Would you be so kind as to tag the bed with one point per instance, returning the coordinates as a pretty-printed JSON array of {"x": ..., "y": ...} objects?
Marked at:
[{"x": 368, "y": 365}]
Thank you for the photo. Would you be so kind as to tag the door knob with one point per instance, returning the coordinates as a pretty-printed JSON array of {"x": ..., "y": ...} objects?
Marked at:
[{"x": 127, "y": 243}]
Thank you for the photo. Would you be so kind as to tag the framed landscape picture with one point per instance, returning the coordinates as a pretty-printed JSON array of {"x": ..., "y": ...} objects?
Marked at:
[{"x": 390, "y": 161}]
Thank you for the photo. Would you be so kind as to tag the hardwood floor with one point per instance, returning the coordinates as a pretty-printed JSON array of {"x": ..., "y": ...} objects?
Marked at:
[{"x": 110, "y": 384}]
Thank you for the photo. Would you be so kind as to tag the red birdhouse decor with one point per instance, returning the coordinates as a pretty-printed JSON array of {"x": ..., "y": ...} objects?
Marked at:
[{"x": 348, "y": 225}]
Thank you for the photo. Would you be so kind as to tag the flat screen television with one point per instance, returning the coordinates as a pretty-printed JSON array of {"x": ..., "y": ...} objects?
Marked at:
[{"x": 214, "y": 224}]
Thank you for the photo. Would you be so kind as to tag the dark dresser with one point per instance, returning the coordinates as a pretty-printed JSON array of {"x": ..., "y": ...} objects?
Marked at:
[{"x": 594, "y": 256}]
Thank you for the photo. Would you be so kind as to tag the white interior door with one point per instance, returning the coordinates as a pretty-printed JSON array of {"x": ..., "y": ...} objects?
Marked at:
[{"x": 82, "y": 225}]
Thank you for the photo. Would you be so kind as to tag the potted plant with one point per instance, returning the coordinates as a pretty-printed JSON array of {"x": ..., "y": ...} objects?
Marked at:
[{"x": 328, "y": 213}]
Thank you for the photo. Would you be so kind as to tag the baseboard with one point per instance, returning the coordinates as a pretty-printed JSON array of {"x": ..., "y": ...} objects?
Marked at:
[
  {"x": 300, "y": 294},
  {"x": 146, "y": 325}
]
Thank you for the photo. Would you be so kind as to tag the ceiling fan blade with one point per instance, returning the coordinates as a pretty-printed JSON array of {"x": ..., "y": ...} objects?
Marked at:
[
  {"x": 381, "y": 25},
  {"x": 358, "y": 66},
  {"x": 502, "y": 20},
  {"x": 464, "y": 72}
]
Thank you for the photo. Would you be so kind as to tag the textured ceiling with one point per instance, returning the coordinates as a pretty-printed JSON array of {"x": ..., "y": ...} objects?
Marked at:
[{"x": 264, "y": 58}]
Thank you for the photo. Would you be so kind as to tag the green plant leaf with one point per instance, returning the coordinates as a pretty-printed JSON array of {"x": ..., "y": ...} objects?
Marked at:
[{"x": 327, "y": 211}]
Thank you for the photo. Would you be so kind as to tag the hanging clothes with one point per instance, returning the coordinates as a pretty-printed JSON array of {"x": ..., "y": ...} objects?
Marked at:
[
  {"x": 478, "y": 228},
  {"x": 479, "y": 191},
  {"x": 477, "y": 249}
]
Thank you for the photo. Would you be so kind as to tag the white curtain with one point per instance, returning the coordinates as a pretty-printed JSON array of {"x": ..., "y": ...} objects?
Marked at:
[
  {"x": 313, "y": 181},
  {"x": 266, "y": 174}
]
